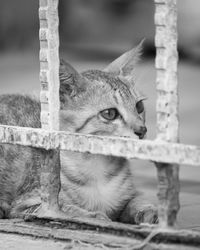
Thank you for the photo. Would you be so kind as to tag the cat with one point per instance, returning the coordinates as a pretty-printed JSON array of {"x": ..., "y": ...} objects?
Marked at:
[{"x": 98, "y": 102}]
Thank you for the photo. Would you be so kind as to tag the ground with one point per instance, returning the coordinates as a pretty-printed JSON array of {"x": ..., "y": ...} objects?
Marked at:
[{"x": 20, "y": 73}]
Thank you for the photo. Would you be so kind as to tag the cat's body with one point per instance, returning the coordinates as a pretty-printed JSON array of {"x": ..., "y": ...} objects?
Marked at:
[
  {"x": 94, "y": 102},
  {"x": 19, "y": 165}
]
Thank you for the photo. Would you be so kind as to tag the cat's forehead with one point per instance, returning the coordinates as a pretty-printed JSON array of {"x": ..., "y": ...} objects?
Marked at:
[{"x": 120, "y": 87}]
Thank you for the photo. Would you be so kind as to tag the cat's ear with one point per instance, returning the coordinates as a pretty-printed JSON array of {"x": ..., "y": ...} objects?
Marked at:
[
  {"x": 71, "y": 82},
  {"x": 125, "y": 64}
]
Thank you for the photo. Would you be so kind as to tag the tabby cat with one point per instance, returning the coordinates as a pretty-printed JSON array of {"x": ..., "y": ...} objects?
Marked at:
[{"x": 94, "y": 102}]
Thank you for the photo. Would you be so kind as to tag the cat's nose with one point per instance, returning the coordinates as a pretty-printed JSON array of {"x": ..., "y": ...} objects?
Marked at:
[{"x": 140, "y": 131}]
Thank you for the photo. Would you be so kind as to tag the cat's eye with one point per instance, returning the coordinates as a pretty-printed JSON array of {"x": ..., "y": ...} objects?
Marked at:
[
  {"x": 140, "y": 107},
  {"x": 110, "y": 114}
]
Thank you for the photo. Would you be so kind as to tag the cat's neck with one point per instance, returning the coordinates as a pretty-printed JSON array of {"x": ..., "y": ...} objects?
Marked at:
[
  {"x": 91, "y": 167},
  {"x": 95, "y": 182}
]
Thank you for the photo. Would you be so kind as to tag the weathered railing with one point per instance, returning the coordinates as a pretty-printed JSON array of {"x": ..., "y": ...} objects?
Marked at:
[
  {"x": 167, "y": 105},
  {"x": 49, "y": 98},
  {"x": 165, "y": 150}
]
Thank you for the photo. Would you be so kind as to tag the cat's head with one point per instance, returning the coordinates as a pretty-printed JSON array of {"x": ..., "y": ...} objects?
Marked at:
[{"x": 103, "y": 102}]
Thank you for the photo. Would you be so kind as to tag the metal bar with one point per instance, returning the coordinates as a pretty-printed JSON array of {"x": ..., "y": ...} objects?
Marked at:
[
  {"x": 49, "y": 64},
  {"x": 50, "y": 103},
  {"x": 159, "y": 151},
  {"x": 167, "y": 106}
]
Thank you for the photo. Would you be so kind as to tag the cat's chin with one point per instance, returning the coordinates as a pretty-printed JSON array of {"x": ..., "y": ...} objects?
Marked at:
[{"x": 144, "y": 137}]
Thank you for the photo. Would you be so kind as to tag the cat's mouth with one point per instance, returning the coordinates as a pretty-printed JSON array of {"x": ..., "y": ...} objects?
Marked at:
[{"x": 142, "y": 136}]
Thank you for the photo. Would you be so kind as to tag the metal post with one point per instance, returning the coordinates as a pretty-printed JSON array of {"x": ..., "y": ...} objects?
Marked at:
[
  {"x": 49, "y": 97},
  {"x": 167, "y": 106}
]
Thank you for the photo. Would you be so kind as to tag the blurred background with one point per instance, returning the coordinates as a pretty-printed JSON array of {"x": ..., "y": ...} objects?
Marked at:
[{"x": 92, "y": 34}]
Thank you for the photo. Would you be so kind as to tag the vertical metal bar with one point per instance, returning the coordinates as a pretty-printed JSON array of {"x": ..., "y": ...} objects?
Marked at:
[
  {"x": 49, "y": 64},
  {"x": 49, "y": 97},
  {"x": 167, "y": 105}
]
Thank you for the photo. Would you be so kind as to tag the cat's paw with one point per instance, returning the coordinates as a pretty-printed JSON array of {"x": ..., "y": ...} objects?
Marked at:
[
  {"x": 74, "y": 212},
  {"x": 148, "y": 214},
  {"x": 99, "y": 216}
]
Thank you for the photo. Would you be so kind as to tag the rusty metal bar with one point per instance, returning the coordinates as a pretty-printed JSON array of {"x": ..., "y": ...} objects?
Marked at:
[
  {"x": 159, "y": 151},
  {"x": 49, "y": 64},
  {"x": 50, "y": 103},
  {"x": 167, "y": 106}
]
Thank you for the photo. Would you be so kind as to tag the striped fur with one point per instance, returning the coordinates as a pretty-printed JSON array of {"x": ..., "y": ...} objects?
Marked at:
[{"x": 94, "y": 184}]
